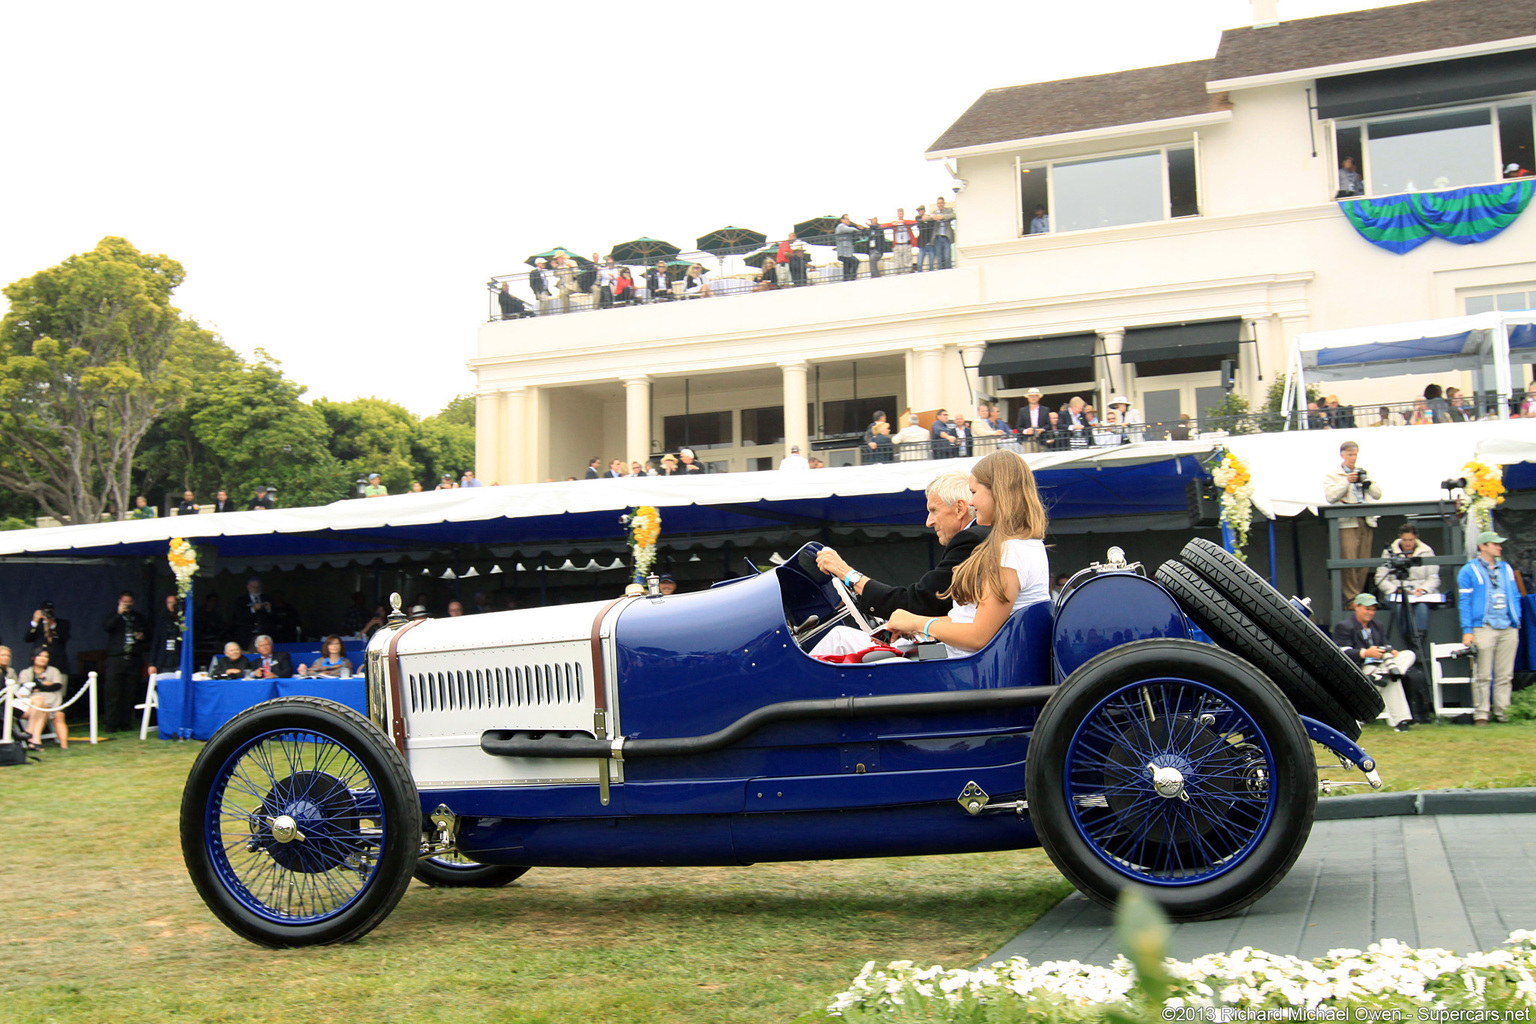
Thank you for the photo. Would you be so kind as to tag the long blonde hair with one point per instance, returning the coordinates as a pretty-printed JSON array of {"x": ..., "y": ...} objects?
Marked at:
[{"x": 1017, "y": 514}]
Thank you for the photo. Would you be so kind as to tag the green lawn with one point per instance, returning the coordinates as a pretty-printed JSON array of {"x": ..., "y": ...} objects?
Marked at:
[{"x": 106, "y": 927}]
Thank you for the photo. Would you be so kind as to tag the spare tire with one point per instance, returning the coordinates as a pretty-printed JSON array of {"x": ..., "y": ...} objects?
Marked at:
[
  {"x": 1232, "y": 629},
  {"x": 1293, "y": 631}
]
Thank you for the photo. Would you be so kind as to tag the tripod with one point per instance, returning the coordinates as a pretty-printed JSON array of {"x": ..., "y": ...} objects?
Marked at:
[{"x": 1415, "y": 682}]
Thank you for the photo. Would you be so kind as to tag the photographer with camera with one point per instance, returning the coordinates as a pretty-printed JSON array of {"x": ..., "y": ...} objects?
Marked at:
[
  {"x": 1350, "y": 484},
  {"x": 1365, "y": 643},
  {"x": 1490, "y": 622},
  {"x": 1404, "y": 576}
]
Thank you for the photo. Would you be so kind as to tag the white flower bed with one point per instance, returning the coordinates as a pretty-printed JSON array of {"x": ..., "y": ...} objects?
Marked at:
[{"x": 1420, "y": 982}]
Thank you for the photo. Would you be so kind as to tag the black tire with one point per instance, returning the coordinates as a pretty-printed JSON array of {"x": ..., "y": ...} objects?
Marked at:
[
  {"x": 1231, "y": 628},
  {"x": 1300, "y": 636},
  {"x": 455, "y": 871},
  {"x": 300, "y": 824},
  {"x": 1246, "y": 768}
]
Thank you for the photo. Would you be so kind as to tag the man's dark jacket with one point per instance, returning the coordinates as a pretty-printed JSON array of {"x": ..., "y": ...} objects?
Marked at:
[
  {"x": 922, "y": 597},
  {"x": 1354, "y": 637}
]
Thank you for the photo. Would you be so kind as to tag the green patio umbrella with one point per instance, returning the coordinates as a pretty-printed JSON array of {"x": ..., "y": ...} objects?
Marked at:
[
  {"x": 643, "y": 250},
  {"x": 724, "y": 241},
  {"x": 550, "y": 254},
  {"x": 755, "y": 259},
  {"x": 816, "y": 227}
]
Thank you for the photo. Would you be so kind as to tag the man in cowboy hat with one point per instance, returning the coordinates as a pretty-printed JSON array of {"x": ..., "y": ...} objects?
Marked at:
[{"x": 1127, "y": 421}]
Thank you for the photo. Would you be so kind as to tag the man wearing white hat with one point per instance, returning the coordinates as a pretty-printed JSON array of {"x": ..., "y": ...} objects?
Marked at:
[
  {"x": 1126, "y": 419},
  {"x": 1034, "y": 420}
]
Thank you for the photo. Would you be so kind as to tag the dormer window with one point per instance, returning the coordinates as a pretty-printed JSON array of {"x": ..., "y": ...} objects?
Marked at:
[
  {"x": 1139, "y": 187},
  {"x": 1439, "y": 149}
]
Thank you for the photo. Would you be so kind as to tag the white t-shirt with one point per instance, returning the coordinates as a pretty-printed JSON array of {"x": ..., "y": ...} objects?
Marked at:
[{"x": 1027, "y": 558}]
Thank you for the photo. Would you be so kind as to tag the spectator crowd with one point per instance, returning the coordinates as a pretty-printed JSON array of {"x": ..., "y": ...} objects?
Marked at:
[{"x": 923, "y": 242}]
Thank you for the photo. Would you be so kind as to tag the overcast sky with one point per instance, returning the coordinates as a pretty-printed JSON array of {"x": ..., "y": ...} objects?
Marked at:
[{"x": 340, "y": 179}]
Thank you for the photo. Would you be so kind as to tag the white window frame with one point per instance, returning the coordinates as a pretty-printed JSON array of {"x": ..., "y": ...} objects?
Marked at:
[
  {"x": 1363, "y": 123},
  {"x": 1049, "y": 166}
]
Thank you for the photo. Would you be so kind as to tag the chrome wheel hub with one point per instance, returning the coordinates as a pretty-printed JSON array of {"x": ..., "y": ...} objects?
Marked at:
[{"x": 1168, "y": 782}]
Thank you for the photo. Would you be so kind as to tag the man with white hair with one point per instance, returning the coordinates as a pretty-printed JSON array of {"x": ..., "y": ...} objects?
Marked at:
[{"x": 954, "y": 521}]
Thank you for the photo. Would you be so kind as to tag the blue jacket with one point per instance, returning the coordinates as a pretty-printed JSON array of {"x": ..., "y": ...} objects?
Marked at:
[{"x": 1473, "y": 581}]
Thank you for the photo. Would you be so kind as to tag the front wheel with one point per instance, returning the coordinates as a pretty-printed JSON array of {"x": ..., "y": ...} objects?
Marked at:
[
  {"x": 300, "y": 824},
  {"x": 1174, "y": 766}
]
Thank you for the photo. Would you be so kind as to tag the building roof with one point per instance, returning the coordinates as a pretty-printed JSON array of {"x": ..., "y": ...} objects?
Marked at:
[
  {"x": 1369, "y": 35},
  {"x": 1023, "y": 112},
  {"x": 1083, "y": 104}
]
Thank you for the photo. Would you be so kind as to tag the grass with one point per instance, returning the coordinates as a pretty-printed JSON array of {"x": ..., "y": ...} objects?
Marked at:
[
  {"x": 105, "y": 925},
  {"x": 1446, "y": 757}
]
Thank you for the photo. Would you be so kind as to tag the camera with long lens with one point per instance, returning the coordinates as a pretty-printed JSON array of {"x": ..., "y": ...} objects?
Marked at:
[
  {"x": 1454, "y": 484},
  {"x": 1397, "y": 565}
]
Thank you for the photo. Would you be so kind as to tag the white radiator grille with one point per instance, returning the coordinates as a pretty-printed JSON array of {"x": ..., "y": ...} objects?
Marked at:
[{"x": 549, "y": 684}]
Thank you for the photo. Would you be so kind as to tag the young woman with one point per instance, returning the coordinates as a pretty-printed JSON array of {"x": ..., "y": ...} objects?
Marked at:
[
  {"x": 624, "y": 287},
  {"x": 768, "y": 280},
  {"x": 333, "y": 659},
  {"x": 1007, "y": 571},
  {"x": 46, "y": 686}
]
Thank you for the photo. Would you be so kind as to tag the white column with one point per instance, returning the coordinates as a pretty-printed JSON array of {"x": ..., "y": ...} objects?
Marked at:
[
  {"x": 1109, "y": 372},
  {"x": 488, "y": 434},
  {"x": 796, "y": 428},
  {"x": 516, "y": 442},
  {"x": 930, "y": 378},
  {"x": 637, "y": 417}
]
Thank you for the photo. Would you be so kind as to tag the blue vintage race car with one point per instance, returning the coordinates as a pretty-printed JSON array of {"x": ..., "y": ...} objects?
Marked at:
[{"x": 1105, "y": 726}]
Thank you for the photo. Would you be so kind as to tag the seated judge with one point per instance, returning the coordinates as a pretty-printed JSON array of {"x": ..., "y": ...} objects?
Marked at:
[
  {"x": 231, "y": 664},
  {"x": 269, "y": 664}
]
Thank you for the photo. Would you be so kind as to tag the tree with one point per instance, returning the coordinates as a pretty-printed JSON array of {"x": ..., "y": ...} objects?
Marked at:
[
  {"x": 461, "y": 410},
  {"x": 173, "y": 457},
  {"x": 252, "y": 420},
  {"x": 370, "y": 435},
  {"x": 442, "y": 446},
  {"x": 83, "y": 375}
]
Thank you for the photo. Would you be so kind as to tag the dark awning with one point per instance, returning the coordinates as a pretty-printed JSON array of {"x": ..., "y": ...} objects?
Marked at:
[
  {"x": 1181, "y": 341},
  {"x": 1039, "y": 355},
  {"x": 1425, "y": 85}
]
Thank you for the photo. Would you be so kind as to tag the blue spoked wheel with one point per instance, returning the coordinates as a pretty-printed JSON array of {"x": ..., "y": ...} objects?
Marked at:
[
  {"x": 1175, "y": 766},
  {"x": 300, "y": 824}
]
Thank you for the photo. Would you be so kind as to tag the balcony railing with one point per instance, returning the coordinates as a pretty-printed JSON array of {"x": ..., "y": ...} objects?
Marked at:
[
  {"x": 727, "y": 274},
  {"x": 853, "y": 450}
]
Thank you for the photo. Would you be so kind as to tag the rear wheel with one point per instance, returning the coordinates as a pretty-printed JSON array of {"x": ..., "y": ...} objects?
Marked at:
[
  {"x": 1293, "y": 631},
  {"x": 1233, "y": 629},
  {"x": 456, "y": 871},
  {"x": 300, "y": 824},
  {"x": 1176, "y": 766}
]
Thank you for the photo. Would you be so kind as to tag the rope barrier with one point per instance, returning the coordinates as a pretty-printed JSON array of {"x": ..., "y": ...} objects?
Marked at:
[{"x": 24, "y": 703}]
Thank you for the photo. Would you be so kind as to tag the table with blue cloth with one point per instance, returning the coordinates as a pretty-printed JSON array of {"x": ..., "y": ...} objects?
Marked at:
[
  {"x": 1525, "y": 657},
  {"x": 216, "y": 701}
]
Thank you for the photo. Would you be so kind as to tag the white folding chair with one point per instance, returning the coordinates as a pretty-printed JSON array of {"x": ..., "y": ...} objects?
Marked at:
[{"x": 151, "y": 702}]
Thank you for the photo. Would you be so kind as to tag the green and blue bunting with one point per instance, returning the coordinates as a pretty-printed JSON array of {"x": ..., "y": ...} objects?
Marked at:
[{"x": 1402, "y": 223}]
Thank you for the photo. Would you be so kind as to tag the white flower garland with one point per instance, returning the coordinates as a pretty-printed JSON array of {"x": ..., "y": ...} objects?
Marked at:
[
  {"x": 1247, "y": 979},
  {"x": 1232, "y": 476}
]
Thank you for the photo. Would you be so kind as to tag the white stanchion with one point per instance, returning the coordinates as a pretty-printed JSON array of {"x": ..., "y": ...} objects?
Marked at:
[
  {"x": 5, "y": 730},
  {"x": 90, "y": 683}
]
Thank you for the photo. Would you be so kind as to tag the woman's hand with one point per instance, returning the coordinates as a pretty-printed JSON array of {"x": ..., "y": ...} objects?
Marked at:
[{"x": 905, "y": 623}]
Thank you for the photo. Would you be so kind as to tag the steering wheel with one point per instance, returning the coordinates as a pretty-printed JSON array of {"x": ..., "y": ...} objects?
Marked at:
[{"x": 851, "y": 606}]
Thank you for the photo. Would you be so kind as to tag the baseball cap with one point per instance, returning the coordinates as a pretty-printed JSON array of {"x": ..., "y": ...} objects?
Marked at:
[
  {"x": 1490, "y": 537},
  {"x": 373, "y": 476},
  {"x": 1511, "y": 168},
  {"x": 1365, "y": 601},
  {"x": 667, "y": 577}
]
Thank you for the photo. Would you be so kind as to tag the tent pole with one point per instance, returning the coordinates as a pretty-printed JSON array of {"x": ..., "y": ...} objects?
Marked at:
[{"x": 1272, "y": 555}]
